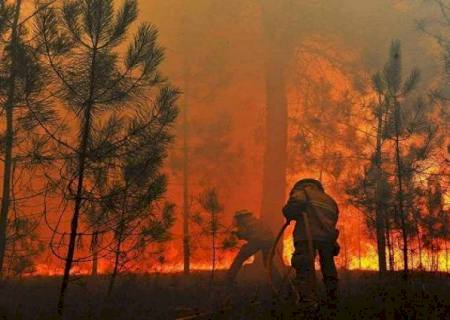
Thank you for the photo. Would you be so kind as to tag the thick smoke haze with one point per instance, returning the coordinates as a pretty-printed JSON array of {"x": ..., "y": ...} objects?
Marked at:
[
  {"x": 235, "y": 62},
  {"x": 190, "y": 159},
  {"x": 216, "y": 54}
]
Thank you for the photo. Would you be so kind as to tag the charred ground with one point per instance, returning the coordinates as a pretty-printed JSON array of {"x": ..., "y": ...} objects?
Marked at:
[{"x": 364, "y": 295}]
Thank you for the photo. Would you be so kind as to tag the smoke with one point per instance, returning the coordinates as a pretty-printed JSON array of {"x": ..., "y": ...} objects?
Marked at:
[{"x": 216, "y": 55}]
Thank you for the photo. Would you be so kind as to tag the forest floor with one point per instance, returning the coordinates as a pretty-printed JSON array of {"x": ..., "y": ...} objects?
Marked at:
[{"x": 363, "y": 295}]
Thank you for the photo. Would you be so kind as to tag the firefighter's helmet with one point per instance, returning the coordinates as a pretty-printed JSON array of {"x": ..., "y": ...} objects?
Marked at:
[
  {"x": 303, "y": 182},
  {"x": 242, "y": 214}
]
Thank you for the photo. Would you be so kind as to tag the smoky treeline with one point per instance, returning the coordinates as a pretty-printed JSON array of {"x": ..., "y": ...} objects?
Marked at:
[
  {"x": 352, "y": 94},
  {"x": 132, "y": 131}
]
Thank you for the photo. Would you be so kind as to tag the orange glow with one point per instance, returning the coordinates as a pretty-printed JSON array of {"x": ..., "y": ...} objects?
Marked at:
[{"x": 230, "y": 117}]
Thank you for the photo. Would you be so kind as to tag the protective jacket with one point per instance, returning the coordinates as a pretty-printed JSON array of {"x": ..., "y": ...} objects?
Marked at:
[
  {"x": 258, "y": 237},
  {"x": 252, "y": 229},
  {"x": 321, "y": 209}
]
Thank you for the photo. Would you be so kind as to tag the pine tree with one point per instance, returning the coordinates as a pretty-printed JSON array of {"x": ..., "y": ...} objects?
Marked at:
[
  {"x": 137, "y": 185},
  {"x": 212, "y": 225},
  {"x": 25, "y": 106},
  {"x": 406, "y": 119},
  {"x": 81, "y": 41}
]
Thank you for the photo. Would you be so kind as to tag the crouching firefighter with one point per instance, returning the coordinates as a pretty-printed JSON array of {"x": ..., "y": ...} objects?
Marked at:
[
  {"x": 258, "y": 237},
  {"x": 316, "y": 215}
]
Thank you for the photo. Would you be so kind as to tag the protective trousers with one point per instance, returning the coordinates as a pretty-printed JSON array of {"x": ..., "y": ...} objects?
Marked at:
[
  {"x": 305, "y": 273},
  {"x": 247, "y": 250}
]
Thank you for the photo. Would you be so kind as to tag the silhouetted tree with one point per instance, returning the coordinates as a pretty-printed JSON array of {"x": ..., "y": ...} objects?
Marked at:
[
  {"x": 212, "y": 225},
  {"x": 435, "y": 222},
  {"x": 279, "y": 47},
  {"x": 22, "y": 84},
  {"x": 136, "y": 184},
  {"x": 406, "y": 120},
  {"x": 405, "y": 140},
  {"x": 81, "y": 41}
]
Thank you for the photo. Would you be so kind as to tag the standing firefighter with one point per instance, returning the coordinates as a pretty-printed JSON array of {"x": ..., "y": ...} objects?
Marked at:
[
  {"x": 258, "y": 236},
  {"x": 316, "y": 215}
]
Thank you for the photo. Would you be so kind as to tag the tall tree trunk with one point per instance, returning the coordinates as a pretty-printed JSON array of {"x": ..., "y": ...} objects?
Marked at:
[
  {"x": 446, "y": 255},
  {"x": 419, "y": 242},
  {"x": 345, "y": 247},
  {"x": 186, "y": 205},
  {"x": 9, "y": 136},
  {"x": 85, "y": 136},
  {"x": 94, "y": 247},
  {"x": 389, "y": 245},
  {"x": 379, "y": 210},
  {"x": 420, "y": 252},
  {"x": 275, "y": 153},
  {"x": 359, "y": 254},
  {"x": 400, "y": 190},
  {"x": 213, "y": 269},
  {"x": 120, "y": 239},
  {"x": 112, "y": 279}
]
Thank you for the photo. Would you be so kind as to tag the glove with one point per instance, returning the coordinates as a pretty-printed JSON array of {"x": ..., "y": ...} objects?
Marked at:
[
  {"x": 291, "y": 211},
  {"x": 336, "y": 249}
]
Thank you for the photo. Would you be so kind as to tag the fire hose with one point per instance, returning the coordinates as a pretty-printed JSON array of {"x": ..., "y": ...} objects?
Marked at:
[
  {"x": 269, "y": 267},
  {"x": 310, "y": 250},
  {"x": 273, "y": 250},
  {"x": 270, "y": 261}
]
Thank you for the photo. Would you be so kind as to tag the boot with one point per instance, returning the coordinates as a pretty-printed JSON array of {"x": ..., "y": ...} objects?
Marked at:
[
  {"x": 307, "y": 308},
  {"x": 331, "y": 303}
]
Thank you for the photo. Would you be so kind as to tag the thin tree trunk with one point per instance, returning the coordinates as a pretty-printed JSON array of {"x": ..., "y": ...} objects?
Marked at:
[
  {"x": 379, "y": 210},
  {"x": 213, "y": 257},
  {"x": 94, "y": 247},
  {"x": 389, "y": 246},
  {"x": 419, "y": 246},
  {"x": 344, "y": 239},
  {"x": 446, "y": 256},
  {"x": 86, "y": 132},
  {"x": 186, "y": 213},
  {"x": 120, "y": 239},
  {"x": 112, "y": 279},
  {"x": 9, "y": 137},
  {"x": 359, "y": 254},
  {"x": 437, "y": 256},
  {"x": 400, "y": 191}
]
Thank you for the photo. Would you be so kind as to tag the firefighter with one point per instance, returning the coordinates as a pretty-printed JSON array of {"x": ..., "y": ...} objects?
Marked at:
[
  {"x": 316, "y": 215},
  {"x": 258, "y": 238}
]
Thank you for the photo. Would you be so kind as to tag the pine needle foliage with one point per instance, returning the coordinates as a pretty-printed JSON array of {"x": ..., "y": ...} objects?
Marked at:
[{"x": 122, "y": 109}]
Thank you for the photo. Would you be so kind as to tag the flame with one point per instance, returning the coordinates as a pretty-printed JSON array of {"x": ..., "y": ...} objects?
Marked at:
[{"x": 243, "y": 182}]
